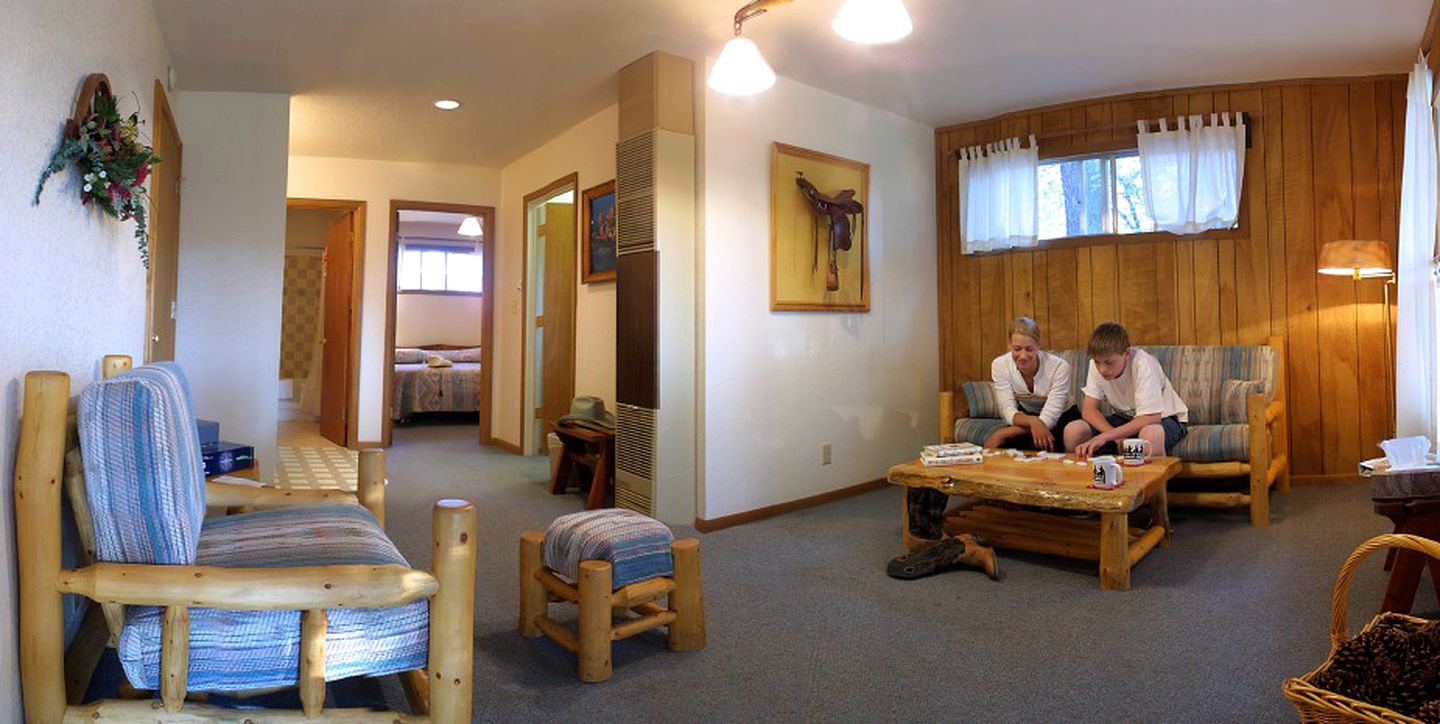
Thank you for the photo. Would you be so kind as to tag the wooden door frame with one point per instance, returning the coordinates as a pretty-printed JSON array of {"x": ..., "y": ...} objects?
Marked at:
[
  {"x": 573, "y": 181},
  {"x": 357, "y": 267},
  {"x": 161, "y": 112},
  {"x": 488, "y": 245}
]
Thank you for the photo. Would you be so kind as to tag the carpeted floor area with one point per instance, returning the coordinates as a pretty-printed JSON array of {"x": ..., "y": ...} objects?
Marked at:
[{"x": 805, "y": 626}]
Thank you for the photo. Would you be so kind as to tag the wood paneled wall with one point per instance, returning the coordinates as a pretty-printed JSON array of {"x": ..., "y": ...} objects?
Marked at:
[{"x": 1323, "y": 164}]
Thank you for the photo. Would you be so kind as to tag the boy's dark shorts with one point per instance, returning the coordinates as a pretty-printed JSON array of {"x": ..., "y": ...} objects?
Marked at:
[{"x": 1175, "y": 431}]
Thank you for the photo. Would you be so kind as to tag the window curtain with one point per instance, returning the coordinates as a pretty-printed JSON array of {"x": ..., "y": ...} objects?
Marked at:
[
  {"x": 1192, "y": 175},
  {"x": 998, "y": 187},
  {"x": 1415, "y": 353}
]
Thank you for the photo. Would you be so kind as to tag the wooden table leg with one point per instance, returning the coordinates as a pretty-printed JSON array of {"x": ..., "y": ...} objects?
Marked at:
[
  {"x": 600, "y": 481},
  {"x": 1160, "y": 514},
  {"x": 1114, "y": 551},
  {"x": 561, "y": 480},
  {"x": 1404, "y": 579}
]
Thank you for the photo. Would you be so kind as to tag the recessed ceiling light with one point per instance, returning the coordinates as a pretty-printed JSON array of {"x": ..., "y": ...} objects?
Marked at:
[{"x": 447, "y": 105}]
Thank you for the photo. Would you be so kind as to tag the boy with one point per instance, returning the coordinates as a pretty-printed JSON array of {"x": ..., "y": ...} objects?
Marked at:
[{"x": 1132, "y": 381}]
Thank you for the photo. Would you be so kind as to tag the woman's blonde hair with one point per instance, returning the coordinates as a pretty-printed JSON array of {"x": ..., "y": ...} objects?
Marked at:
[{"x": 1025, "y": 326}]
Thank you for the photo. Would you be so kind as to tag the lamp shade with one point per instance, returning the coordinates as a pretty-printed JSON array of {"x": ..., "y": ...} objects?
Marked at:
[
  {"x": 470, "y": 227},
  {"x": 740, "y": 70},
  {"x": 872, "y": 21},
  {"x": 1355, "y": 259}
]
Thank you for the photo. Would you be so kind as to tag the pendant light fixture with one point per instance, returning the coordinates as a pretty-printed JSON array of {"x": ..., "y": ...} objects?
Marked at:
[
  {"x": 872, "y": 22},
  {"x": 471, "y": 227},
  {"x": 741, "y": 70}
]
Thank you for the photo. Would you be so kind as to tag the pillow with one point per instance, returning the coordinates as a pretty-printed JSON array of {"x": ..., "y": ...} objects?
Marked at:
[
  {"x": 436, "y": 360},
  {"x": 468, "y": 354},
  {"x": 409, "y": 356},
  {"x": 980, "y": 397},
  {"x": 1233, "y": 396}
]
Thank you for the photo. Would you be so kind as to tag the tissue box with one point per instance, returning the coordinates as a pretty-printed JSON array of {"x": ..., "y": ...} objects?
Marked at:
[
  {"x": 209, "y": 431},
  {"x": 227, "y": 457}
]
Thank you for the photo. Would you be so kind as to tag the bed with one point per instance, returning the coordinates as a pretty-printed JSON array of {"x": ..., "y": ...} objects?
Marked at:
[{"x": 418, "y": 387}]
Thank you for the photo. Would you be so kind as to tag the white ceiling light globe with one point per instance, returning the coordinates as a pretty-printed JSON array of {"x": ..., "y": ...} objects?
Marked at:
[
  {"x": 740, "y": 70},
  {"x": 872, "y": 21},
  {"x": 447, "y": 104},
  {"x": 470, "y": 227}
]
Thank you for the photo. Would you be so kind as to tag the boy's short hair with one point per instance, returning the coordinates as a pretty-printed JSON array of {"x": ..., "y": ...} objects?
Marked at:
[{"x": 1107, "y": 339}]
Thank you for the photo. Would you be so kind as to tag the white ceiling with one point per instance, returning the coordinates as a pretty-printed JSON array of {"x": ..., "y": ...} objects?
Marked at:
[{"x": 365, "y": 72}]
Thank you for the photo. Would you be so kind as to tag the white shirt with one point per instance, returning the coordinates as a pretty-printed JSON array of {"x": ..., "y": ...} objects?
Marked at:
[
  {"x": 1142, "y": 389},
  {"x": 1049, "y": 398}
]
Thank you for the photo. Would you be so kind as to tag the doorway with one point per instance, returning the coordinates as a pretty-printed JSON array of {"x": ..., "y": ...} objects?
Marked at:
[
  {"x": 164, "y": 246},
  {"x": 439, "y": 317},
  {"x": 548, "y": 358},
  {"x": 320, "y": 322}
]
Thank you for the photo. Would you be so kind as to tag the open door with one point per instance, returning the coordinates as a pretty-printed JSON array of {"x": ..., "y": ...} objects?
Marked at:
[
  {"x": 557, "y": 324},
  {"x": 335, "y": 343},
  {"x": 164, "y": 235}
]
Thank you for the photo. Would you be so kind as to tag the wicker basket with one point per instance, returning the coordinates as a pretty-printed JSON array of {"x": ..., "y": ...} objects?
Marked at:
[{"x": 1327, "y": 707}]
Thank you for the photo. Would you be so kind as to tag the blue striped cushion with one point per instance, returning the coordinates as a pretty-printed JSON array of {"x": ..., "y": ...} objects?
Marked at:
[
  {"x": 1214, "y": 444},
  {"x": 637, "y": 546},
  {"x": 980, "y": 399},
  {"x": 143, "y": 472},
  {"x": 976, "y": 429},
  {"x": 235, "y": 650}
]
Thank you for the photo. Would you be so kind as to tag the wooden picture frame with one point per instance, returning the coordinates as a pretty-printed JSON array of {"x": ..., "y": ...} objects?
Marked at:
[
  {"x": 597, "y": 222},
  {"x": 799, "y": 247}
]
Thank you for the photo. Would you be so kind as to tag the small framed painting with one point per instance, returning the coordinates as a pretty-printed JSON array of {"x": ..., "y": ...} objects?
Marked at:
[
  {"x": 819, "y": 235},
  {"x": 597, "y": 253}
]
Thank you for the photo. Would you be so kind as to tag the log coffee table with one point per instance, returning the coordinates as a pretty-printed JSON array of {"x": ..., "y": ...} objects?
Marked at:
[{"x": 1052, "y": 484}]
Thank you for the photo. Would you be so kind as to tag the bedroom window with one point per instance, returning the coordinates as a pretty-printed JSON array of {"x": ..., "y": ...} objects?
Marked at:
[
  {"x": 440, "y": 270},
  {"x": 1092, "y": 195}
]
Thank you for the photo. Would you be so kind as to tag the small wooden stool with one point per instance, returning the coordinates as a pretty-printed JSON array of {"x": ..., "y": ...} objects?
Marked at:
[
  {"x": 594, "y": 449},
  {"x": 619, "y": 547}
]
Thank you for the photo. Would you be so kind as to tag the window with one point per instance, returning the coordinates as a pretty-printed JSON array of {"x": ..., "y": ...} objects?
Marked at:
[
  {"x": 1092, "y": 195},
  {"x": 440, "y": 269}
]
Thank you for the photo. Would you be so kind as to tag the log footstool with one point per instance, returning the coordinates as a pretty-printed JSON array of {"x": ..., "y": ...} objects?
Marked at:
[{"x": 612, "y": 564}]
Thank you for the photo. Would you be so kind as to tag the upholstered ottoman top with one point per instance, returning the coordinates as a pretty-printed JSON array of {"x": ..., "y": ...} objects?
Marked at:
[{"x": 636, "y": 546}]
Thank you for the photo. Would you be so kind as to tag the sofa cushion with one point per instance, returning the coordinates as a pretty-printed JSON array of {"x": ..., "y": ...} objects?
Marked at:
[
  {"x": 236, "y": 650},
  {"x": 1214, "y": 444},
  {"x": 1234, "y": 400},
  {"x": 636, "y": 546},
  {"x": 976, "y": 429},
  {"x": 1199, "y": 373},
  {"x": 980, "y": 399},
  {"x": 143, "y": 473}
]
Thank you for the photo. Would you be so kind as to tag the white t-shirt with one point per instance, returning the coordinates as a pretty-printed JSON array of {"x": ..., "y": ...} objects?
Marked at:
[
  {"x": 1048, "y": 400},
  {"x": 1142, "y": 389}
]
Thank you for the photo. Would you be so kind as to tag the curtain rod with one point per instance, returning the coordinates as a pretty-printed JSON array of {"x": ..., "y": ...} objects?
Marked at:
[{"x": 1245, "y": 117}]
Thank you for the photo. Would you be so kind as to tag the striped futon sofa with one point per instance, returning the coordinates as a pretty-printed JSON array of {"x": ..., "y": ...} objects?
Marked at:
[{"x": 1236, "y": 396}]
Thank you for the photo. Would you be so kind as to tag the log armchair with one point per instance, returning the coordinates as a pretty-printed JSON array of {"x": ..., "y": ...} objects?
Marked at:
[{"x": 305, "y": 588}]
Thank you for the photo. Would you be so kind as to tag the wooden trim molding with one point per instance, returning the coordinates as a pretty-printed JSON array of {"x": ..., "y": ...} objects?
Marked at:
[
  {"x": 1329, "y": 479},
  {"x": 506, "y": 445},
  {"x": 573, "y": 181},
  {"x": 770, "y": 511}
]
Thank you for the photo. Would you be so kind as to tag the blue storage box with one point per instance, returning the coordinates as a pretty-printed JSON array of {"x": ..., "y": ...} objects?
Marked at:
[
  {"x": 209, "y": 432},
  {"x": 227, "y": 457}
]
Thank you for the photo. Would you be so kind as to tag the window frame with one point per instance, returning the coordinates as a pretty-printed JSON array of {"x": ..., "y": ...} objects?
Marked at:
[
  {"x": 447, "y": 249},
  {"x": 1241, "y": 230}
]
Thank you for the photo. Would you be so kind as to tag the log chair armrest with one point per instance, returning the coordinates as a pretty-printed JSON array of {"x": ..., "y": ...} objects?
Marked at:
[
  {"x": 254, "y": 589},
  {"x": 1273, "y": 411},
  {"x": 266, "y": 496},
  {"x": 952, "y": 408}
]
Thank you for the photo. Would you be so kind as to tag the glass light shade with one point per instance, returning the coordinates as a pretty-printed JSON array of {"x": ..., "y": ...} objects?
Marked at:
[
  {"x": 872, "y": 21},
  {"x": 445, "y": 104},
  {"x": 741, "y": 70},
  {"x": 470, "y": 227},
  {"x": 1355, "y": 259}
]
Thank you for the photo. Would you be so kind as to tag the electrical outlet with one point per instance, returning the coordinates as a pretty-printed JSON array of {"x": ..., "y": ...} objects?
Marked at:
[{"x": 824, "y": 453}]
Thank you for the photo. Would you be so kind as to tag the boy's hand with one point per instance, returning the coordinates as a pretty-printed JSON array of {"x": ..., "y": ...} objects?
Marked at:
[
  {"x": 1041, "y": 434},
  {"x": 1087, "y": 449}
]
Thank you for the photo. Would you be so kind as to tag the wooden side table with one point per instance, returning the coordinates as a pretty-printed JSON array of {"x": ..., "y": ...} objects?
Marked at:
[
  {"x": 594, "y": 449},
  {"x": 1418, "y": 517}
]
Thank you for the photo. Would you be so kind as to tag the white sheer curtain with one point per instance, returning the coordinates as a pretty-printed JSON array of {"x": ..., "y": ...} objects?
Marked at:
[
  {"x": 998, "y": 187},
  {"x": 1415, "y": 354},
  {"x": 1192, "y": 175}
]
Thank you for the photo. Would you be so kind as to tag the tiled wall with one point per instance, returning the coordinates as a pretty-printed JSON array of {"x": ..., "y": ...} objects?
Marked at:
[{"x": 301, "y": 320}]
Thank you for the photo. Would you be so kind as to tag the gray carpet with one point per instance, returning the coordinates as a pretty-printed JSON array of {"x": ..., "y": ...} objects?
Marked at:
[{"x": 805, "y": 626}]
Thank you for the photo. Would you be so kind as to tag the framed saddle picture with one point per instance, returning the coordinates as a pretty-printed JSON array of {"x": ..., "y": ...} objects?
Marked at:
[
  {"x": 597, "y": 248},
  {"x": 819, "y": 232}
]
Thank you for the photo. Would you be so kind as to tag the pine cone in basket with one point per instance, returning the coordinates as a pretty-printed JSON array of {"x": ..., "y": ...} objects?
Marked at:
[{"x": 1429, "y": 711}]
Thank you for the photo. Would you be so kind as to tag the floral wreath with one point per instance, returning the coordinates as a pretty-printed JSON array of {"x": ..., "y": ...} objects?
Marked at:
[{"x": 115, "y": 162}]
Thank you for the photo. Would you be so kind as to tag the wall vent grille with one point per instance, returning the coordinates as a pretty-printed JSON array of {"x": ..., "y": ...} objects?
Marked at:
[
  {"x": 635, "y": 458},
  {"x": 635, "y": 194}
]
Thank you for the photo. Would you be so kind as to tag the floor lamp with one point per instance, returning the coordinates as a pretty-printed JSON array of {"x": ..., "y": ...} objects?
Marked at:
[{"x": 1367, "y": 260}]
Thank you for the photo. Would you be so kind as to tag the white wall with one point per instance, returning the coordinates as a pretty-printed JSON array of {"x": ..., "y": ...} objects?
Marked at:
[
  {"x": 778, "y": 384},
  {"x": 73, "y": 288},
  {"x": 436, "y": 319},
  {"x": 588, "y": 149},
  {"x": 232, "y": 260},
  {"x": 377, "y": 183}
]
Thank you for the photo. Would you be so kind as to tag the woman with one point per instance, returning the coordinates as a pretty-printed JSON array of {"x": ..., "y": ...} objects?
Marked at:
[{"x": 1032, "y": 389}]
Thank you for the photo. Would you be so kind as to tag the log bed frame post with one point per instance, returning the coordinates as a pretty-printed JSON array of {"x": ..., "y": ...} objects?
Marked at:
[
  {"x": 452, "y": 612},
  {"x": 370, "y": 483}
]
